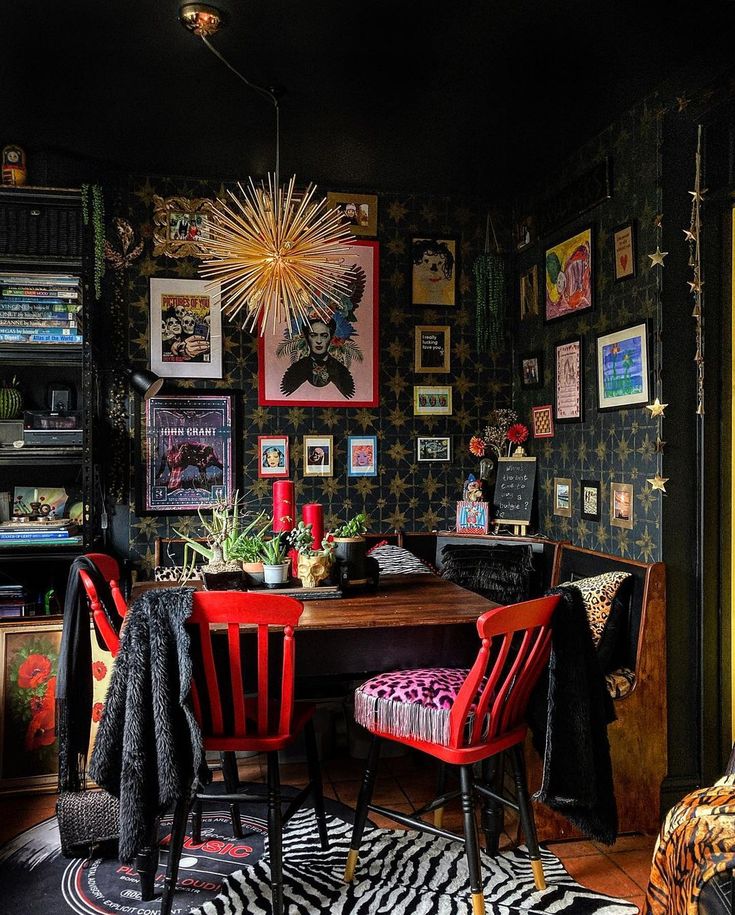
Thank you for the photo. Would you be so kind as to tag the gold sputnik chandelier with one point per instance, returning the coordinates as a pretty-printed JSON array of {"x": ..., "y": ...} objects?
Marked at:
[{"x": 281, "y": 256}]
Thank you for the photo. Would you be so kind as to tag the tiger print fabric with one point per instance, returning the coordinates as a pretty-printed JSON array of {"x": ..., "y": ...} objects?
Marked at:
[
  {"x": 697, "y": 841},
  {"x": 599, "y": 592}
]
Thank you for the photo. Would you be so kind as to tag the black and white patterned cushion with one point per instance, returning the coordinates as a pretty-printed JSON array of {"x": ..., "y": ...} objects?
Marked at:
[{"x": 395, "y": 560}]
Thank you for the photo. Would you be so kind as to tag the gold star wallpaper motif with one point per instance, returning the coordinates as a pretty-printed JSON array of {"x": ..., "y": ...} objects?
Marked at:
[{"x": 397, "y": 211}]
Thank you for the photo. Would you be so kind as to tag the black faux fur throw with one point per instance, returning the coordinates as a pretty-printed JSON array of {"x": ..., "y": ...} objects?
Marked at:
[
  {"x": 500, "y": 572},
  {"x": 568, "y": 715},
  {"x": 149, "y": 747}
]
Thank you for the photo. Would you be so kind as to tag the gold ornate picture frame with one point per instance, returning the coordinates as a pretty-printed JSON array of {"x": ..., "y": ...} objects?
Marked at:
[{"x": 180, "y": 225}]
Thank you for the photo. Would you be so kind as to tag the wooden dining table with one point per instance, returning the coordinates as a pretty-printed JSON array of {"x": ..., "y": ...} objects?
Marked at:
[{"x": 415, "y": 620}]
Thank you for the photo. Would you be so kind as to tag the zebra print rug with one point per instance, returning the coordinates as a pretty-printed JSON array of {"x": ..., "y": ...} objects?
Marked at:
[{"x": 401, "y": 873}]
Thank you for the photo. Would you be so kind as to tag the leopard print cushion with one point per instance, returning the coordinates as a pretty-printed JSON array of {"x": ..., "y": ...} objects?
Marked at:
[
  {"x": 432, "y": 687},
  {"x": 620, "y": 682},
  {"x": 173, "y": 573},
  {"x": 599, "y": 593}
]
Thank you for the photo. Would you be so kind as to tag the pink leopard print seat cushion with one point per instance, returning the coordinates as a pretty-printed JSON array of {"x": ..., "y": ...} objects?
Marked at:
[{"x": 410, "y": 703}]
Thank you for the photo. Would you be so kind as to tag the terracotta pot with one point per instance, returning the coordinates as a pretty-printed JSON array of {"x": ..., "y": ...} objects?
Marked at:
[{"x": 254, "y": 572}]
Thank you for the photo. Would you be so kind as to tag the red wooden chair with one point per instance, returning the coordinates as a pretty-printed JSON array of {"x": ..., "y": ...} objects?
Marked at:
[
  {"x": 104, "y": 618},
  {"x": 462, "y": 717},
  {"x": 265, "y": 722}
]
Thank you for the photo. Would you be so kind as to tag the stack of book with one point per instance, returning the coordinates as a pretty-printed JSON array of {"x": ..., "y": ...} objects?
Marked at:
[
  {"x": 39, "y": 308},
  {"x": 14, "y": 601},
  {"x": 59, "y": 534}
]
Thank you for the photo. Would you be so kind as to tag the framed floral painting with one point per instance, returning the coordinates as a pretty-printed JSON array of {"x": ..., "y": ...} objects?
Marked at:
[
  {"x": 328, "y": 363},
  {"x": 569, "y": 277}
]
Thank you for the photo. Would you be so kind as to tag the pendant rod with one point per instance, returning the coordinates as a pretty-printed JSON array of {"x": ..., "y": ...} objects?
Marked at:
[{"x": 262, "y": 90}]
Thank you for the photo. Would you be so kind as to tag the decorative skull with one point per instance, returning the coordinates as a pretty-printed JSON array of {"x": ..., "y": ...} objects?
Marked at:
[
  {"x": 313, "y": 569},
  {"x": 187, "y": 322}
]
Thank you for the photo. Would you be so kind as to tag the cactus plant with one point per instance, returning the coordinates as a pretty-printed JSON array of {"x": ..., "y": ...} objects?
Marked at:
[{"x": 11, "y": 400}]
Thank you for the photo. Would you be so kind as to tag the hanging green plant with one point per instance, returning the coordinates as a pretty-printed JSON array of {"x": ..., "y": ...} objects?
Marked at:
[
  {"x": 490, "y": 279},
  {"x": 93, "y": 207}
]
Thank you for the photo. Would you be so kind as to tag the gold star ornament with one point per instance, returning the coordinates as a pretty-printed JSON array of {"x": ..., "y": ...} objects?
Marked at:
[
  {"x": 657, "y": 408},
  {"x": 659, "y": 482},
  {"x": 657, "y": 258}
]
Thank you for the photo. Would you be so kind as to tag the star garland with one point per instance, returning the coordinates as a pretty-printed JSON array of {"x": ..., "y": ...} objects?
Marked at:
[{"x": 692, "y": 236}]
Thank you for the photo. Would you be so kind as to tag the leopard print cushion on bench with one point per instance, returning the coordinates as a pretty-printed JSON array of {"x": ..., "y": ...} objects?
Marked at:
[
  {"x": 620, "y": 682},
  {"x": 173, "y": 573}
]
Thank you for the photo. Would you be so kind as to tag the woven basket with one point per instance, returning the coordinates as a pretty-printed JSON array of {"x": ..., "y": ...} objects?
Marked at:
[{"x": 86, "y": 819}]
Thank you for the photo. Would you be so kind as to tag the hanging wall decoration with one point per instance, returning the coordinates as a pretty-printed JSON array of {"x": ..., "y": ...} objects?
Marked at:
[
  {"x": 490, "y": 289},
  {"x": 692, "y": 236},
  {"x": 181, "y": 226}
]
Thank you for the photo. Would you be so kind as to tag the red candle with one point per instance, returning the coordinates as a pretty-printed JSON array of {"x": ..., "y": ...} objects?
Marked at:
[
  {"x": 313, "y": 514},
  {"x": 284, "y": 506}
]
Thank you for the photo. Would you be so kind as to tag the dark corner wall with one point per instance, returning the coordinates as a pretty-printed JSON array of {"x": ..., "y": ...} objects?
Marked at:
[{"x": 406, "y": 494}]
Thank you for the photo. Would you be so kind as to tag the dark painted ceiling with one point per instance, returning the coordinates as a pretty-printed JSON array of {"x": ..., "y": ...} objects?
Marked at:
[{"x": 444, "y": 96}]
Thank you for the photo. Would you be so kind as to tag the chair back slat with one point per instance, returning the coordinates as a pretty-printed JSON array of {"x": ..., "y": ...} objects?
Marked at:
[
  {"x": 224, "y": 709},
  {"x": 516, "y": 643},
  {"x": 236, "y": 678}
]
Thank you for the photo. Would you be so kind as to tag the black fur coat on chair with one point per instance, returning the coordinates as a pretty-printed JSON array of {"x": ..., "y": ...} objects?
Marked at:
[
  {"x": 568, "y": 714},
  {"x": 149, "y": 747}
]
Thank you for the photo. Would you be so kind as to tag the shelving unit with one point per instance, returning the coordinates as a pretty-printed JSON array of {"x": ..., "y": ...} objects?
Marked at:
[{"x": 42, "y": 233}]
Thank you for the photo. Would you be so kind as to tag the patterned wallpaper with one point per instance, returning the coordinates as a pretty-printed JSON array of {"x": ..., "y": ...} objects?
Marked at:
[
  {"x": 405, "y": 494},
  {"x": 611, "y": 446}
]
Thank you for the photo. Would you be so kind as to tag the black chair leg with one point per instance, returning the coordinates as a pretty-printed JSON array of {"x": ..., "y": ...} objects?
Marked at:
[
  {"x": 196, "y": 822},
  {"x": 232, "y": 783},
  {"x": 275, "y": 827},
  {"x": 472, "y": 839},
  {"x": 441, "y": 787},
  {"x": 526, "y": 813},
  {"x": 146, "y": 864},
  {"x": 178, "y": 832},
  {"x": 363, "y": 800},
  {"x": 492, "y": 814},
  {"x": 315, "y": 777}
]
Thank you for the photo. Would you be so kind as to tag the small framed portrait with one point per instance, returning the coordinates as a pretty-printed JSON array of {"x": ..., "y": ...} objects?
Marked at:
[
  {"x": 531, "y": 367},
  {"x": 568, "y": 400},
  {"x": 529, "y": 293},
  {"x": 624, "y": 251},
  {"x": 434, "y": 270},
  {"x": 180, "y": 225},
  {"x": 434, "y": 448},
  {"x": 273, "y": 456},
  {"x": 621, "y": 505},
  {"x": 589, "y": 499},
  {"x": 432, "y": 348},
  {"x": 432, "y": 400},
  {"x": 360, "y": 210},
  {"x": 622, "y": 368},
  {"x": 563, "y": 497},
  {"x": 318, "y": 455},
  {"x": 473, "y": 517},
  {"x": 569, "y": 279},
  {"x": 542, "y": 421},
  {"x": 362, "y": 455},
  {"x": 185, "y": 328}
]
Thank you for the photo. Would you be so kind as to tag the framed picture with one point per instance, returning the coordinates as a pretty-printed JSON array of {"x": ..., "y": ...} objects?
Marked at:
[
  {"x": 589, "y": 499},
  {"x": 188, "y": 452},
  {"x": 531, "y": 367},
  {"x": 332, "y": 364},
  {"x": 185, "y": 328},
  {"x": 360, "y": 210},
  {"x": 434, "y": 270},
  {"x": 434, "y": 448},
  {"x": 563, "y": 497},
  {"x": 180, "y": 225},
  {"x": 433, "y": 344},
  {"x": 569, "y": 276},
  {"x": 542, "y": 421},
  {"x": 473, "y": 517},
  {"x": 318, "y": 455},
  {"x": 432, "y": 400},
  {"x": 29, "y": 660},
  {"x": 622, "y": 368},
  {"x": 273, "y": 456},
  {"x": 624, "y": 251},
  {"x": 568, "y": 400},
  {"x": 362, "y": 455},
  {"x": 621, "y": 505},
  {"x": 529, "y": 292}
]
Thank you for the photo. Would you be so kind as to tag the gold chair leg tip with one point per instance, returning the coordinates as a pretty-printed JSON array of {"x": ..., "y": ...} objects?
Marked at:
[
  {"x": 350, "y": 866},
  {"x": 538, "y": 874},
  {"x": 439, "y": 817},
  {"x": 478, "y": 904}
]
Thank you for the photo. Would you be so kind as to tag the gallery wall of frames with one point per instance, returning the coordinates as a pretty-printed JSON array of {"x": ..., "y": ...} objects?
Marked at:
[
  {"x": 389, "y": 438},
  {"x": 586, "y": 343}
]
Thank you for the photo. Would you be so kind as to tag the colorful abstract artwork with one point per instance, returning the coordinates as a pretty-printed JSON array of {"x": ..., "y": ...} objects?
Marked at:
[
  {"x": 569, "y": 276},
  {"x": 622, "y": 368}
]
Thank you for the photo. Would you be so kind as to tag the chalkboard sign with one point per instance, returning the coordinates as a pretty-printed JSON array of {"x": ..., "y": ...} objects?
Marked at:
[{"x": 514, "y": 486}]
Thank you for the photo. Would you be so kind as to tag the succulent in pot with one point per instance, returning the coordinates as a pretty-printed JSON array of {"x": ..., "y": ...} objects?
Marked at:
[
  {"x": 276, "y": 563},
  {"x": 350, "y": 547},
  {"x": 313, "y": 565}
]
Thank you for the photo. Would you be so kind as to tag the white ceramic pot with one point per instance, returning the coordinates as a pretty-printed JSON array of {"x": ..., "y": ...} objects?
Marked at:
[{"x": 278, "y": 574}]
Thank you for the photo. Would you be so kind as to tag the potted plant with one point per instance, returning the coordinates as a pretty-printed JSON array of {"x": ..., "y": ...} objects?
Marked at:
[
  {"x": 224, "y": 536},
  {"x": 350, "y": 547},
  {"x": 313, "y": 565},
  {"x": 247, "y": 549},
  {"x": 276, "y": 563}
]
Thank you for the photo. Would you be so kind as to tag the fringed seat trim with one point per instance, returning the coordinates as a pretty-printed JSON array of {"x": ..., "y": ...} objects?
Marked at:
[{"x": 403, "y": 719}]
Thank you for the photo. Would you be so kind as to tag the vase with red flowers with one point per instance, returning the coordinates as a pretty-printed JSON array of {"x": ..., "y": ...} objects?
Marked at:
[{"x": 492, "y": 442}]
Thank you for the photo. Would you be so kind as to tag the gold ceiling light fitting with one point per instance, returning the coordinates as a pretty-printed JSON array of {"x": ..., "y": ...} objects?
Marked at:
[
  {"x": 201, "y": 19},
  {"x": 281, "y": 256}
]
